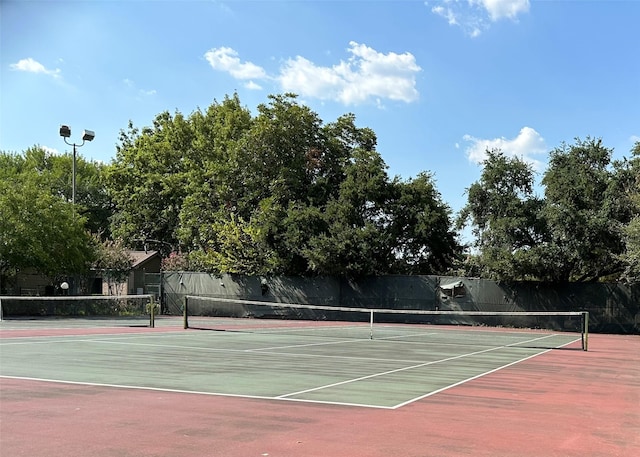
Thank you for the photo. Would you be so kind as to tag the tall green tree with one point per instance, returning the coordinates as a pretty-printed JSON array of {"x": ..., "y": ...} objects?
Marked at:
[
  {"x": 239, "y": 248},
  {"x": 278, "y": 193},
  {"x": 273, "y": 159},
  {"x": 40, "y": 228},
  {"x": 582, "y": 212},
  {"x": 41, "y": 231},
  {"x": 147, "y": 180},
  {"x": 54, "y": 173},
  {"x": 355, "y": 242},
  {"x": 631, "y": 256},
  {"x": 212, "y": 193},
  {"x": 421, "y": 228},
  {"x": 504, "y": 214},
  {"x": 575, "y": 233}
]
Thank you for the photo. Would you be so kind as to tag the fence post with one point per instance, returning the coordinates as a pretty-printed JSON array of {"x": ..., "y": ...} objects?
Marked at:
[
  {"x": 585, "y": 331},
  {"x": 185, "y": 318},
  {"x": 152, "y": 320}
]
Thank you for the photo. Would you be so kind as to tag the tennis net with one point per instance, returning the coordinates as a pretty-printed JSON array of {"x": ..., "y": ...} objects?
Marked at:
[
  {"x": 224, "y": 314},
  {"x": 69, "y": 307}
]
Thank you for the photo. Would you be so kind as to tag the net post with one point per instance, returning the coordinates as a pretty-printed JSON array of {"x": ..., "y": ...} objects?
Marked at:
[
  {"x": 371, "y": 324},
  {"x": 585, "y": 331},
  {"x": 185, "y": 319},
  {"x": 152, "y": 315}
]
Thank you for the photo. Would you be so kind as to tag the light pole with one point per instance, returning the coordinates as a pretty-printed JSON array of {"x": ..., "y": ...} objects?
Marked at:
[{"x": 87, "y": 135}]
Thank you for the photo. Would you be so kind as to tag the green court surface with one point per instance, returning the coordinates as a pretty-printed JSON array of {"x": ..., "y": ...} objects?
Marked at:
[{"x": 388, "y": 371}]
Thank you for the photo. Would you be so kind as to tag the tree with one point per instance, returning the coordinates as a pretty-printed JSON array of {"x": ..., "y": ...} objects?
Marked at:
[
  {"x": 41, "y": 231},
  {"x": 147, "y": 180},
  {"x": 239, "y": 248},
  {"x": 631, "y": 257},
  {"x": 175, "y": 261},
  {"x": 40, "y": 228},
  {"x": 274, "y": 157},
  {"x": 355, "y": 242},
  {"x": 574, "y": 234},
  {"x": 212, "y": 191},
  {"x": 54, "y": 173},
  {"x": 278, "y": 193},
  {"x": 582, "y": 213},
  {"x": 342, "y": 172},
  {"x": 421, "y": 228},
  {"x": 505, "y": 216}
]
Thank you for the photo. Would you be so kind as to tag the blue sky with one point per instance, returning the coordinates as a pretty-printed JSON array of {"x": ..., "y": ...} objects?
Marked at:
[{"x": 438, "y": 81}]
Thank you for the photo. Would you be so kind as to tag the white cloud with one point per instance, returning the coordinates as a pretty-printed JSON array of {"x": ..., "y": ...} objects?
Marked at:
[
  {"x": 33, "y": 66},
  {"x": 368, "y": 75},
  {"x": 634, "y": 138},
  {"x": 300, "y": 74},
  {"x": 468, "y": 18},
  {"x": 499, "y": 9},
  {"x": 50, "y": 151},
  {"x": 446, "y": 13},
  {"x": 475, "y": 16},
  {"x": 525, "y": 146},
  {"x": 226, "y": 59},
  {"x": 372, "y": 74},
  {"x": 253, "y": 86}
]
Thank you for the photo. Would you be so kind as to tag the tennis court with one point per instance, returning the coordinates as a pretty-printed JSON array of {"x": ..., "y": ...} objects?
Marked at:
[
  {"x": 387, "y": 372},
  {"x": 311, "y": 379}
]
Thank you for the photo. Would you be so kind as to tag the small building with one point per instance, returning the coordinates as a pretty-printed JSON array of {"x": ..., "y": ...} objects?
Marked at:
[
  {"x": 143, "y": 263},
  {"x": 30, "y": 282}
]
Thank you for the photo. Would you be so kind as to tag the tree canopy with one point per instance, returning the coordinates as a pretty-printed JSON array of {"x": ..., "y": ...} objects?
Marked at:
[
  {"x": 583, "y": 229},
  {"x": 280, "y": 192},
  {"x": 631, "y": 258},
  {"x": 39, "y": 228},
  {"x": 223, "y": 190}
]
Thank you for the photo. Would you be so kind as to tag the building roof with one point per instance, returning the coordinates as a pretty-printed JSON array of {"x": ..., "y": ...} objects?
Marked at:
[{"x": 140, "y": 257}]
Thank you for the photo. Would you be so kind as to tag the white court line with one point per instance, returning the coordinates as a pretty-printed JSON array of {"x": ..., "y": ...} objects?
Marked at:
[
  {"x": 400, "y": 405},
  {"x": 324, "y": 343},
  {"x": 260, "y": 351},
  {"x": 412, "y": 367},
  {"x": 49, "y": 339},
  {"x": 194, "y": 392},
  {"x": 118, "y": 340},
  {"x": 114, "y": 338}
]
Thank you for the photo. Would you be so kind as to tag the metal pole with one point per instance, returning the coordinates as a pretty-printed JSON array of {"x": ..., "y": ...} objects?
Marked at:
[
  {"x": 585, "y": 331},
  {"x": 152, "y": 321},
  {"x": 371, "y": 325},
  {"x": 185, "y": 318},
  {"x": 73, "y": 179}
]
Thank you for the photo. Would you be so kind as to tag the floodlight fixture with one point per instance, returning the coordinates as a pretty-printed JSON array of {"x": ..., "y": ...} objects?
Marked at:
[
  {"x": 65, "y": 131},
  {"x": 88, "y": 135}
]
